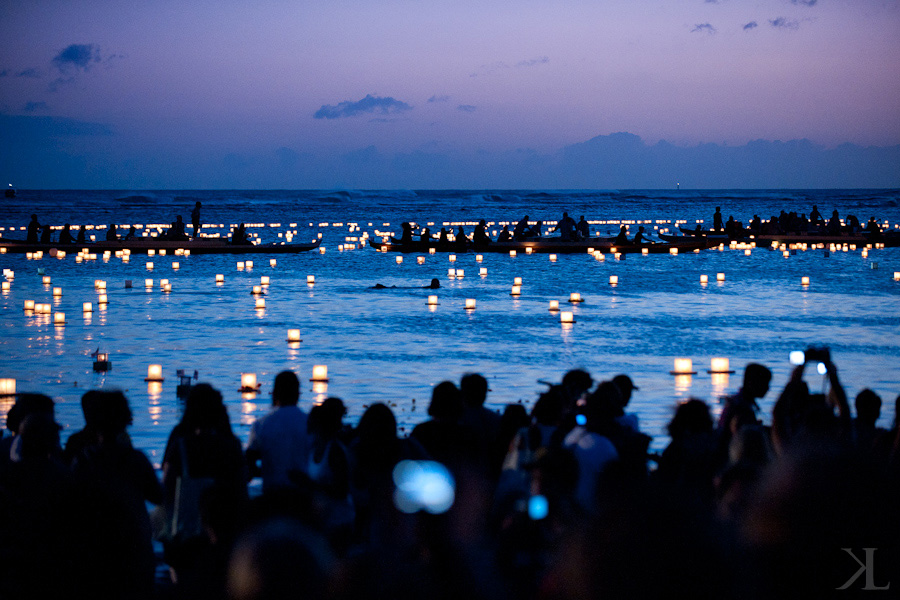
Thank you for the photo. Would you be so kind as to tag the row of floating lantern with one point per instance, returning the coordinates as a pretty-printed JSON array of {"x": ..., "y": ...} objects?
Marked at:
[{"x": 685, "y": 366}]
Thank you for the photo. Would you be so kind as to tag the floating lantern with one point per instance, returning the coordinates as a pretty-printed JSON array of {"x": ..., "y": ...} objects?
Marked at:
[
  {"x": 87, "y": 307},
  {"x": 554, "y": 305},
  {"x": 552, "y": 258},
  {"x": 240, "y": 265},
  {"x": 431, "y": 251},
  {"x": 516, "y": 290},
  {"x": 720, "y": 276},
  {"x": 176, "y": 266},
  {"x": 719, "y": 366},
  {"x": 46, "y": 280},
  {"x": 154, "y": 373},
  {"x": 260, "y": 304},
  {"x": 248, "y": 264},
  {"x": 321, "y": 250},
  {"x": 167, "y": 287},
  {"x": 613, "y": 250},
  {"x": 566, "y": 317},
  {"x": 613, "y": 280},
  {"x": 100, "y": 284},
  {"x": 704, "y": 279},
  {"x": 272, "y": 262},
  {"x": 102, "y": 300},
  {"x": 804, "y": 281},
  {"x": 59, "y": 253},
  {"x": 162, "y": 252},
  {"x": 747, "y": 252},
  {"x": 420, "y": 260},
  {"x": 149, "y": 266},
  {"x": 672, "y": 251},
  {"x": 79, "y": 258},
  {"x": 163, "y": 283},
  {"x": 310, "y": 279},
  {"x": 517, "y": 281},
  {"x": 151, "y": 252},
  {"x": 452, "y": 258},
  {"x": 293, "y": 336},
  {"x": 683, "y": 366},
  {"x": 575, "y": 297},
  {"x": 512, "y": 253},
  {"x": 896, "y": 275},
  {"x": 590, "y": 251},
  {"x": 59, "y": 318},
  {"x": 470, "y": 303},
  {"x": 646, "y": 251},
  {"x": 479, "y": 258},
  {"x": 29, "y": 305},
  {"x": 257, "y": 290},
  {"x": 3, "y": 250},
  {"x": 264, "y": 280},
  {"x": 4, "y": 286},
  {"x": 57, "y": 292},
  {"x": 460, "y": 273},
  {"x": 432, "y": 300},
  {"x": 451, "y": 273},
  {"x": 148, "y": 283},
  {"x": 483, "y": 271},
  {"x": 7, "y": 386},
  {"x": 529, "y": 250},
  {"x": 249, "y": 383},
  {"x": 319, "y": 373},
  {"x": 220, "y": 278}
]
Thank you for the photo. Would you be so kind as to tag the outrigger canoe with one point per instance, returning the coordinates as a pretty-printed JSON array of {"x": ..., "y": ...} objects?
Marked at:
[
  {"x": 547, "y": 246},
  {"x": 889, "y": 239},
  {"x": 142, "y": 245}
]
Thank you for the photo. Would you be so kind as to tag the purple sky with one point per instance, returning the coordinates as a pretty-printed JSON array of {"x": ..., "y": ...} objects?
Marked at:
[{"x": 182, "y": 93}]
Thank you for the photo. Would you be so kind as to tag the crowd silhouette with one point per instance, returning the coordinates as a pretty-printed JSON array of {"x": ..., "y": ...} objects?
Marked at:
[{"x": 567, "y": 502}]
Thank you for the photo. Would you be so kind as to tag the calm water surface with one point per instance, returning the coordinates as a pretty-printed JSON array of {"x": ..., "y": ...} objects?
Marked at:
[{"x": 388, "y": 345}]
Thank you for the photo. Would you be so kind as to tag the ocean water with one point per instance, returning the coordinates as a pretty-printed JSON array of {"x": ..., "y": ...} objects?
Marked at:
[{"x": 388, "y": 345}]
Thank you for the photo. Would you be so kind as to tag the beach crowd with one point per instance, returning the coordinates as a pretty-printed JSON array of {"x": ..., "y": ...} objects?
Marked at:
[{"x": 565, "y": 503}]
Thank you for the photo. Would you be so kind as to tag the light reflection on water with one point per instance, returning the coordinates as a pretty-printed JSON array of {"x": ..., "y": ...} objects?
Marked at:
[{"x": 389, "y": 345}]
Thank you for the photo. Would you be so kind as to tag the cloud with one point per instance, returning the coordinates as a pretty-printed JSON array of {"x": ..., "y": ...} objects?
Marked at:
[
  {"x": 805, "y": 2},
  {"x": 36, "y": 106},
  {"x": 700, "y": 27},
  {"x": 467, "y": 108},
  {"x": 783, "y": 23},
  {"x": 438, "y": 99},
  {"x": 369, "y": 104},
  {"x": 78, "y": 57},
  {"x": 29, "y": 73},
  {"x": 502, "y": 66},
  {"x": 751, "y": 25}
]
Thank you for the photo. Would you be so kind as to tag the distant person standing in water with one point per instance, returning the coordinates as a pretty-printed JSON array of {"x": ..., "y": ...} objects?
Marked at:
[
  {"x": 717, "y": 219},
  {"x": 195, "y": 219},
  {"x": 33, "y": 227},
  {"x": 111, "y": 235}
]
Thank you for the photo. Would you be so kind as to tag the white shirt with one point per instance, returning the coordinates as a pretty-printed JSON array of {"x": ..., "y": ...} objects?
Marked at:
[{"x": 280, "y": 438}]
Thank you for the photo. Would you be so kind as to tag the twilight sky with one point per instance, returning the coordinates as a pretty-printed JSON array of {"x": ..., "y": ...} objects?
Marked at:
[{"x": 293, "y": 93}]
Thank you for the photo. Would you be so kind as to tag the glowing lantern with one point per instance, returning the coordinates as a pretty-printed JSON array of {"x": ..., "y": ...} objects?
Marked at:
[
  {"x": 420, "y": 260},
  {"x": 516, "y": 290},
  {"x": 46, "y": 280},
  {"x": 646, "y": 251},
  {"x": 102, "y": 299},
  {"x": 154, "y": 373},
  {"x": 220, "y": 278},
  {"x": 452, "y": 258},
  {"x": 747, "y": 252},
  {"x": 272, "y": 262},
  {"x": 683, "y": 366},
  {"x": 512, "y": 253},
  {"x": 257, "y": 290},
  {"x": 432, "y": 300},
  {"x": 260, "y": 304},
  {"x": 240, "y": 266},
  {"x": 719, "y": 365},
  {"x": 896, "y": 275},
  {"x": 613, "y": 280},
  {"x": 451, "y": 273},
  {"x": 176, "y": 266},
  {"x": 264, "y": 280},
  {"x": 720, "y": 276},
  {"x": 149, "y": 266},
  {"x": 59, "y": 318},
  {"x": 483, "y": 271},
  {"x": 100, "y": 284},
  {"x": 162, "y": 252},
  {"x": 590, "y": 251},
  {"x": 167, "y": 287},
  {"x": 321, "y": 250},
  {"x": 552, "y": 258},
  {"x": 163, "y": 283},
  {"x": 575, "y": 297},
  {"x": 29, "y": 305},
  {"x": 529, "y": 250},
  {"x": 517, "y": 281},
  {"x": 431, "y": 251},
  {"x": 672, "y": 251},
  {"x": 566, "y": 317},
  {"x": 470, "y": 303},
  {"x": 87, "y": 307},
  {"x": 151, "y": 252},
  {"x": 310, "y": 279},
  {"x": 704, "y": 279},
  {"x": 4, "y": 286},
  {"x": 57, "y": 292},
  {"x": 399, "y": 259},
  {"x": 319, "y": 373},
  {"x": 479, "y": 258},
  {"x": 249, "y": 383},
  {"x": 293, "y": 335},
  {"x": 554, "y": 305},
  {"x": 7, "y": 386},
  {"x": 248, "y": 264},
  {"x": 148, "y": 283},
  {"x": 804, "y": 281}
]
